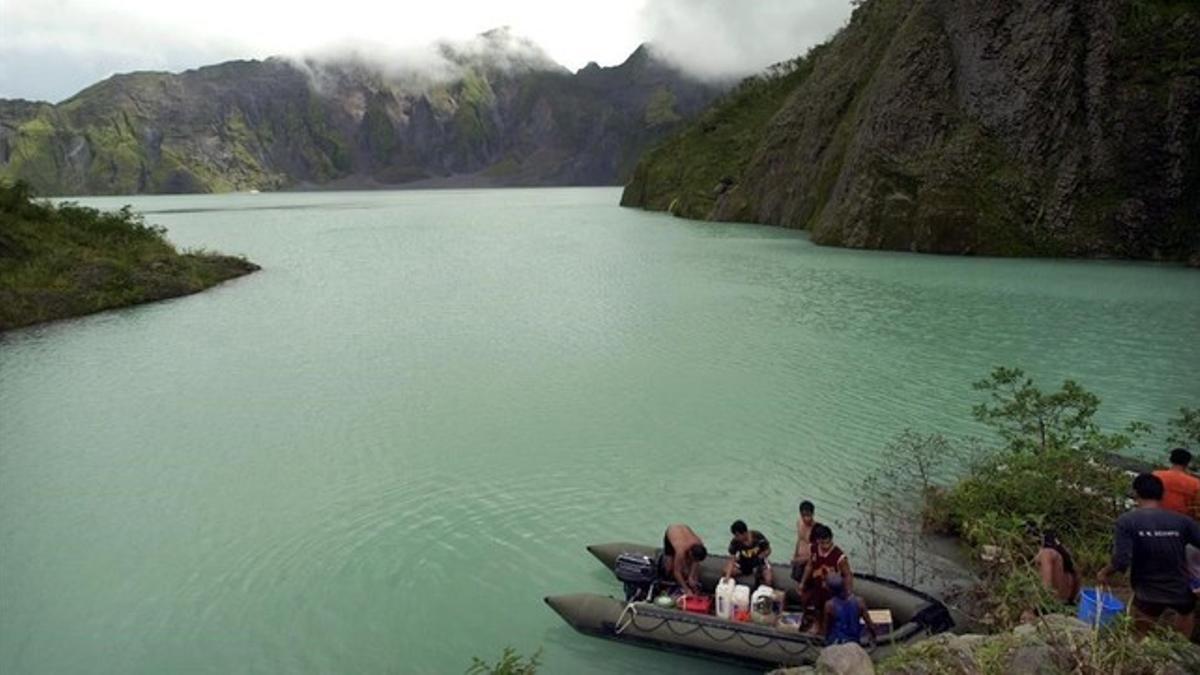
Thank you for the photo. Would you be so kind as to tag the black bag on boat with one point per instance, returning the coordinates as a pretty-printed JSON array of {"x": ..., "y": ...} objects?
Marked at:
[{"x": 639, "y": 573}]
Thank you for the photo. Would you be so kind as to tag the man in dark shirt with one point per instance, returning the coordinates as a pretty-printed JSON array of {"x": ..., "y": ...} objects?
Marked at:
[
  {"x": 1151, "y": 541},
  {"x": 749, "y": 549}
]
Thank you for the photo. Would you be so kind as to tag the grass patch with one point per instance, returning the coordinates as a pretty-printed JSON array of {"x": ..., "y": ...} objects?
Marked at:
[{"x": 69, "y": 260}]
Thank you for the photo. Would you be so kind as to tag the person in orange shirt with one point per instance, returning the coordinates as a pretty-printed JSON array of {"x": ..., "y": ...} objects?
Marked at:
[{"x": 1181, "y": 488}]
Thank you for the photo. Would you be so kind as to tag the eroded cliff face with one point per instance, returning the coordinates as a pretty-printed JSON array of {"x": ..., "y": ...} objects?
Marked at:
[
  {"x": 277, "y": 123},
  {"x": 1023, "y": 127}
]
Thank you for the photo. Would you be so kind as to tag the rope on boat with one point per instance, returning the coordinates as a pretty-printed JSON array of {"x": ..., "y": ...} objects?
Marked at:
[{"x": 631, "y": 613}]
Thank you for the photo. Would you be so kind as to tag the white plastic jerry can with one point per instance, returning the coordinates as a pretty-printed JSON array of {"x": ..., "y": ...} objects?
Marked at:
[
  {"x": 762, "y": 604},
  {"x": 741, "y": 598},
  {"x": 724, "y": 598}
]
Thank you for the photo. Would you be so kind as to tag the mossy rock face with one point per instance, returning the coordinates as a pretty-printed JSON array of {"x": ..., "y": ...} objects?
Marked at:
[
  {"x": 966, "y": 127},
  {"x": 272, "y": 124}
]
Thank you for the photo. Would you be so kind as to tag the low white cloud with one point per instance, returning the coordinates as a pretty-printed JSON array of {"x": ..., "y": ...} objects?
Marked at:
[
  {"x": 50, "y": 49},
  {"x": 720, "y": 39},
  {"x": 433, "y": 63}
]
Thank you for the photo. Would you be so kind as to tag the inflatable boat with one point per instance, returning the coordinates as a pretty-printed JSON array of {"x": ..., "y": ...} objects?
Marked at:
[{"x": 915, "y": 616}]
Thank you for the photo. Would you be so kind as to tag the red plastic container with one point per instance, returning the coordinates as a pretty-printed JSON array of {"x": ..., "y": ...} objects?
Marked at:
[{"x": 697, "y": 604}]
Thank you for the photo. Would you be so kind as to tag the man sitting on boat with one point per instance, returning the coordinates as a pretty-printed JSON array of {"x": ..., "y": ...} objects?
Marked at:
[
  {"x": 825, "y": 560},
  {"x": 683, "y": 552},
  {"x": 844, "y": 614},
  {"x": 749, "y": 550}
]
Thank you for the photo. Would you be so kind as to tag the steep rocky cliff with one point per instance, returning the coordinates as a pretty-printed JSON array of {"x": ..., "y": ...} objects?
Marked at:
[
  {"x": 498, "y": 113},
  {"x": 1021, "y": 127}
]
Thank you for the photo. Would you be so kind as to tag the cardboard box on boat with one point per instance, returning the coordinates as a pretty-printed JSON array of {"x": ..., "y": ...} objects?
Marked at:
[{"x": 881, "y": 619}]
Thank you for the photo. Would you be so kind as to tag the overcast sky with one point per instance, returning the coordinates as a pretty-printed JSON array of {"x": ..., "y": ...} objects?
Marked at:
[{"x": 50, "y": 49}]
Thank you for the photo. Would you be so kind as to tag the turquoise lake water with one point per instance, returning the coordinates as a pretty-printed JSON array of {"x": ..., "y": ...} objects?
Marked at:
[{"x": 378, "y": 454}]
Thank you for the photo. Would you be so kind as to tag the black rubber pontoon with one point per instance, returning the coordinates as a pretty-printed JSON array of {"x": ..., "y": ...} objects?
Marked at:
[{"x": 915, "y": 616}]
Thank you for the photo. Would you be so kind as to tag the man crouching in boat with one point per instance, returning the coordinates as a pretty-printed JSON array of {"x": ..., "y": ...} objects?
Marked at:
[
  {"x": 682, "y": 553},
  {"x": 825, "y": 561},
  {"x": 749, "y": 550}
]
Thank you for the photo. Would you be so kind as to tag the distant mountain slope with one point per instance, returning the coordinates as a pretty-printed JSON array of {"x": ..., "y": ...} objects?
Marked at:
[
  {"x": 1030, "y": 127},
  {"x": 505, "y": 116}
]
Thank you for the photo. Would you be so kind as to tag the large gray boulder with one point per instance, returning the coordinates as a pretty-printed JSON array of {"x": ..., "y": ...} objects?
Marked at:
[{"x": 847, "y": 659}]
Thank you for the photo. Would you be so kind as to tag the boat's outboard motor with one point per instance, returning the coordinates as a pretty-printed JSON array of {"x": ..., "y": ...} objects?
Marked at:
[{"x": 639, "y": 573}]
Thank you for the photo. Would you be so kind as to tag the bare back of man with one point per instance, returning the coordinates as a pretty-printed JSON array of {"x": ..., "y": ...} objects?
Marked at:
[
  {"x": 682, "y": 552},
  {"x": 1056, "y": 578}
]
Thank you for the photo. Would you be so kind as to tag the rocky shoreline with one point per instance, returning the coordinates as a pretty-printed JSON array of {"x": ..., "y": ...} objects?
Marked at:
[{"x": 1054, "y": 643}]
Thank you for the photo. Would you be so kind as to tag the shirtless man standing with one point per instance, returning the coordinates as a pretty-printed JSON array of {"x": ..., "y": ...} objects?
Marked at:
[
  {"x": 804, "y": 539},
  {"x": 682, "y": 552}
]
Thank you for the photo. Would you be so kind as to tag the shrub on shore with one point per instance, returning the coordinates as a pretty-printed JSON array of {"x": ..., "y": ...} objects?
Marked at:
[
  {"x": 69, "y": 260},
  {"x": 509, "y": 663},
  {"x": 1185, "y": 429},
  {"x": 1051, "y": 469},
  {"x": 1053, "y": 472}
]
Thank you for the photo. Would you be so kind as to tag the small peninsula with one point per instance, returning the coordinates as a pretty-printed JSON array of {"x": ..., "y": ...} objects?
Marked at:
[{"x": 61, "y": 261}]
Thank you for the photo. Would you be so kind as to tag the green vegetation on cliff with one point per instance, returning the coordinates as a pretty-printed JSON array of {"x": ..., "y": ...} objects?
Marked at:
[
  {"x": 966, "y": 127},
  {"x": 687, "y": 174},
  {"x": 271, "y": 124},
  {"x": 67, "y": 260}
]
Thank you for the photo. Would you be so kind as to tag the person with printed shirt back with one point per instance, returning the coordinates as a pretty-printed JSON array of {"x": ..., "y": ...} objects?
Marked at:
[
  {"x": 1151, "y": 542},
  {"x": 749, "y": 550}
]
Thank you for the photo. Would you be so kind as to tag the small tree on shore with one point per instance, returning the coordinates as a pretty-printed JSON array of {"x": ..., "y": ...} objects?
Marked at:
[
  {"x": 1029, "y": 420},
  {"x": 510, "y": 663},
  {"x": 1185, "y": 429},
  {"x": 889, "y": 514}
]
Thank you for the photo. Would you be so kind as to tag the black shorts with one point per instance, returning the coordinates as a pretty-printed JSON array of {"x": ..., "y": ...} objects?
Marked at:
[
  {"x": 753, "y": 566},
  {"x": 1156, "y": 609},
  {"x": 798, "y": 570}
]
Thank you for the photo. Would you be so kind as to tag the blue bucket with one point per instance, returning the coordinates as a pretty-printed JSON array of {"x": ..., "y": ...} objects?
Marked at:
[{"x": 1097, "y": 607}]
